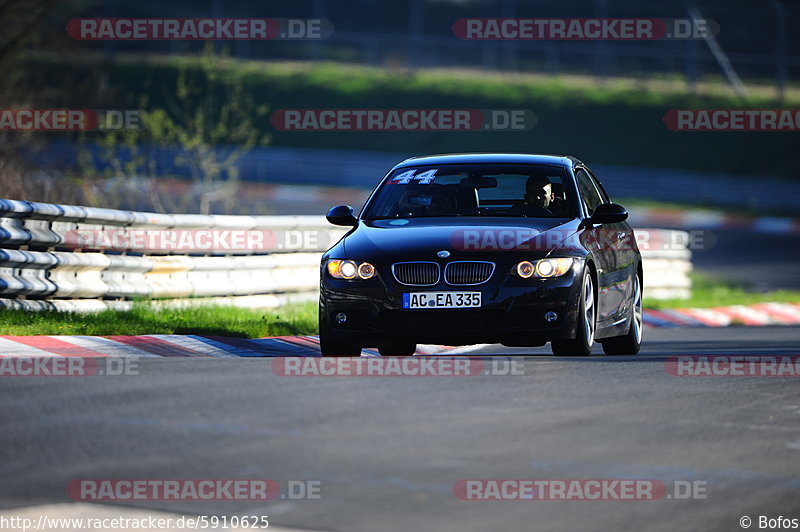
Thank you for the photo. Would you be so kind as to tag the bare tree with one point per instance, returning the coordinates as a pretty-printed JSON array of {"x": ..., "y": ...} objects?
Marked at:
[{"x": 207, "y": 122}]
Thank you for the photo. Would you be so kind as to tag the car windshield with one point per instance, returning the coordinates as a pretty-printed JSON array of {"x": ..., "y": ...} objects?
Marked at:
[{"x": 535, "y": 191}]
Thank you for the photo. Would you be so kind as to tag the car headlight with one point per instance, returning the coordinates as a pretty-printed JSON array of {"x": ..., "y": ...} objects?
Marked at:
[
  {"x": 366, "y": 270},
  {"x": 347, "y": 269},
  {"x": 543, "y": 268}
]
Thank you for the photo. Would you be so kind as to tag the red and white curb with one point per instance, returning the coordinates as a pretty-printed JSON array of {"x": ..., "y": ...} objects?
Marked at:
[
  {"x": 172, "y": 345},
  {"x": 702, "y": 219},
  {"x": 751, "y": 315}
]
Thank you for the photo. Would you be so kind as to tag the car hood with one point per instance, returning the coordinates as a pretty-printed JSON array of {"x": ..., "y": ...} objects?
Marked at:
[{"x": 421, "y": 239}]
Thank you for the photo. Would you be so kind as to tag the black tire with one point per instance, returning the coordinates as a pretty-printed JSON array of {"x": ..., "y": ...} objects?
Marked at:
[
  {"x": 587, "y": 320},
  {"x": 630, "y": 343},
  {"x": 330, "y": 346},
  {"x": 397, "y": 349}
]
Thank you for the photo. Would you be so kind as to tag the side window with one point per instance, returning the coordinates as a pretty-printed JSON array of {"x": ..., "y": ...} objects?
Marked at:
[
  {"x": 589, "y": 194},
  {"x": 599, "y": 187}
]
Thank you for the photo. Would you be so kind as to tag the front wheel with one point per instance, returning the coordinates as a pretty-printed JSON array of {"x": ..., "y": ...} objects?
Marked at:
[
  {"x": 584, "y": 333},
  {"x": 631, "y": 343},
  {"x": 334, "y": 347}
]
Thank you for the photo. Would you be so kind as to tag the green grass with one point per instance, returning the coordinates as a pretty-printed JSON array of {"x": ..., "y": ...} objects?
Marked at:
[
  {"x": 619, "y": 121},
  {"x": 709, "y": 292},
  {"x": 518, "y": 86},
  {"x": 291, "y": 320},
  {"x": 296, "y": 319}
]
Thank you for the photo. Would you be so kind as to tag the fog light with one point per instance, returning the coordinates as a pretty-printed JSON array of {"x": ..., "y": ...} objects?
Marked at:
[
  {"x": 341, "y": 318},
  {"x": 550, "y": 317}
]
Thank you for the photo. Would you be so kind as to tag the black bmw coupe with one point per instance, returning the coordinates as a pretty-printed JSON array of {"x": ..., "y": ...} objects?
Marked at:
[{"x": 483, "y": 248}]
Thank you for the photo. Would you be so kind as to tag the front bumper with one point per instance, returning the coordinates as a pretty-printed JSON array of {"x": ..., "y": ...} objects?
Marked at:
[{"x": 512, "y": 311}]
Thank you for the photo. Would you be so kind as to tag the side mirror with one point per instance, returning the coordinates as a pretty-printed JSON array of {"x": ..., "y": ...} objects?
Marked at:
[
  {"x": 609, "y": 213},
  {"x": 342, "y": 215}
]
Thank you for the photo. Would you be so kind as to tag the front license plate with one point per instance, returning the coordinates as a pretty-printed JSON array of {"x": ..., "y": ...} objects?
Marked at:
[{"x": 434, "y": 300}]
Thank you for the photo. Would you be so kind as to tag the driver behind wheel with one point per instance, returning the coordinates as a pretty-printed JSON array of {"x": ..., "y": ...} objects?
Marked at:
[{"x": 537, "y": 198}]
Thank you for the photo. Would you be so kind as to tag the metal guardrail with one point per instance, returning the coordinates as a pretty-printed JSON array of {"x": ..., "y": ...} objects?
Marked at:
[
  {"x": 47, "y": 263},
  {"x": 43, "y": 255},
  {"x": 666, "y": 266}
]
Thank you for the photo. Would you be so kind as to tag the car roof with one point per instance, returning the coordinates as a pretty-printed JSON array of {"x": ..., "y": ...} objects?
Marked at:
[{"x": 490, "y": 158}]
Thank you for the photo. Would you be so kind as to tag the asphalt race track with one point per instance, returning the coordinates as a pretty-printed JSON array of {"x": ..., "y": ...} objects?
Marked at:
[{"x": 388, "y": 450}]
